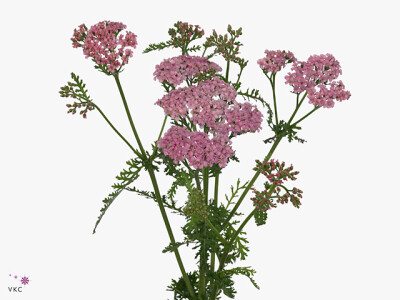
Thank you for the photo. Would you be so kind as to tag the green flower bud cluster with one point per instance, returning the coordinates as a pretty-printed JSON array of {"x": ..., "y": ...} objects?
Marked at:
[{"x": 196, "y": 206}]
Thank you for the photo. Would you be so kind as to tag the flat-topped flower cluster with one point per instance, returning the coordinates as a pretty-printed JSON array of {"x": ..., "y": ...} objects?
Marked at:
[
  {"x": 177, "y": 69},
  {"x": 104, "y": 43}
]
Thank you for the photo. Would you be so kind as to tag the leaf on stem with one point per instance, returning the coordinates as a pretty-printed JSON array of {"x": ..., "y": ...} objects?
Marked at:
[{"x": 126, "y": 177}]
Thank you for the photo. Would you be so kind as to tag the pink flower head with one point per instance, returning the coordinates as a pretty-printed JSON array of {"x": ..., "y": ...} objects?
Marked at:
[
  {"x": 200, "y": 151},
  {"x": 209, "y": 101},
  {"x": 275, "y": 60},
  {"x": 206, "y": 102},
  {"x": 105, "y": 44},
  {"x": 175, "y": 143},
  {"x": 212, "y": 103},
  {"x": 243, "y": 118},
  {"x": 315, "y": 76},
  {"x": 176, "y": 70},
  {"x": 322, "y": 96},
  {"x": 174, "y": 103}
]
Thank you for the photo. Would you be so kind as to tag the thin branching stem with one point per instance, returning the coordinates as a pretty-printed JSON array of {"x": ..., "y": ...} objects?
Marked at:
[
  {"x": 157, "y": 192},
  {"x": 113, "y": 127}
]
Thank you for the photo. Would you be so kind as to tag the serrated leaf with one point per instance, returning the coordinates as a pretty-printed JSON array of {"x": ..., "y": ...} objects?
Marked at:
[{"x": 159, "y": 46}]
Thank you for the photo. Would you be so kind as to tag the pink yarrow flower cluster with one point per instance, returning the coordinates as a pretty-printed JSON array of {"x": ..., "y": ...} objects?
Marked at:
[
  {"x": 179, "y": 144},
  {"x": 212, "y": 103},
  {"x": 317, "y": 77},
  {"x": 243, "y": 117},
  {"x": 275, "y": 60},
  {"x": 105, "y": 44},
  {"x": 175, "y": 70}
]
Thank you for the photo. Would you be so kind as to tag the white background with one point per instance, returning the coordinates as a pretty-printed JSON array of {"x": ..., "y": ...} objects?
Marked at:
[{"x": 56, "y": 168}]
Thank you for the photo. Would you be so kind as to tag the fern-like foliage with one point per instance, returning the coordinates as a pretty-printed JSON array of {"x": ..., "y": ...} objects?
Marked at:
[
  {"x": 239, "y": 249},
  {"x": 158, "y": 46},
  {"x": 252, "y": 94},
  {"x": 125, "y": 178},
  {"x": 173, "y": 246},
  {"x": 235, "y": 192},
  {"x": 180, "y": 289},
  {"x": 168, "y": 203},
  {"x": 224, "y": 282},
  {"x": 245, "y": 271}
]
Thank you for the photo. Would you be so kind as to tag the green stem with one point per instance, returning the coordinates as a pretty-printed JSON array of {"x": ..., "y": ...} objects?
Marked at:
[
  {"x": 216, "y": 189},
  {"x": 112, "y": 126},
  {"x": 203, "y": 253},
  {"x": 157, "y": 193},
  {"x": 159, "y": 136},
  {"x": 216, "y": 205},
  {"x": 169, "y": 230},
  {"x": 129, "y": 114},
  {"x": 221, "y": 238},
  {"x": 205, "y": 184},
  {"x": 204, "y": 52},
  {"x": 274, "y": 95},
  {"x": 297, "y": 106},
  {"x": 227, "y": 71},
  {"x": 297, "y": 122},
  {"x": 197, "y": 179},
  {"x": 251, "y": 183},
  {"x": 162, "y": 127}
]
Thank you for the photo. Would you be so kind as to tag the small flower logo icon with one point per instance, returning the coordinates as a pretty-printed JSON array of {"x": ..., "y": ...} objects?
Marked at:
[{"x": 25, "y": 280}]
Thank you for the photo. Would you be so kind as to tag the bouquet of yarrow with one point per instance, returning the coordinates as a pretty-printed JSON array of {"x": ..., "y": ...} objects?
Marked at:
[{"x": 205, "y": 115}]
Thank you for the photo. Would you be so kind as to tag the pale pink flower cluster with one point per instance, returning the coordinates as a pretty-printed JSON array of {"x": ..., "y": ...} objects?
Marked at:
[
  {"x": 275, "y": 60},
  {"x": 105, "y": 44},
  {"x": 315, "y": 76},
  {"x": 175, "y": 70},
  {"x": 211, "y": 100},
  {"x": 322, "y": 96},
  {"x": 200, "y": 100},
  {"x": 200, "y": 151},
  {"x": 212, "y": 103},
  {"x": 243, "y": 117}
]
